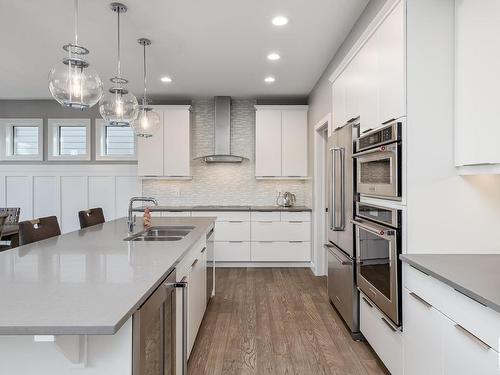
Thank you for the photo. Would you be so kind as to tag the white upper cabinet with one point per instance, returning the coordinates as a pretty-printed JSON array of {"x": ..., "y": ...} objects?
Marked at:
[
  {"x": 150, "y": 153},
  {"x": 176, "y": 152},
  {"x": 477, "y": 78},
  {"x": 372, "y": 86},
  {"x": 281, "y": 141},
  {"x": 339, "y": 102},
  {"x": 294, "y": 143},
  {"x": 167, "y": 152},
  {"x": 391, "y": 59},
  {"x": 268, "y": 143}
]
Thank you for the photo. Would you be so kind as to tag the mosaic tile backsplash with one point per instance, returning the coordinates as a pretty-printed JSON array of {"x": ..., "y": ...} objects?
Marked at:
[{"x": 224, "y": 184}]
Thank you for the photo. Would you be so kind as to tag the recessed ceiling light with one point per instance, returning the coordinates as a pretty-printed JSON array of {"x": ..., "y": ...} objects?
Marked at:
[
  {"x": 273, "y": 56},
  {"x": 166, "y": 79},
  {"x": 269, "y": 79},
  {"x": 280, "y": 21}
]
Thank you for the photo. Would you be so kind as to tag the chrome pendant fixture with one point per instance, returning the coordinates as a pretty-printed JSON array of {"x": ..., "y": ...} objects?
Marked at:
[
  {"x": 118, "y": 107},
  {"x": 148, "y": 121},
  {"x": 73, "y": 83}
]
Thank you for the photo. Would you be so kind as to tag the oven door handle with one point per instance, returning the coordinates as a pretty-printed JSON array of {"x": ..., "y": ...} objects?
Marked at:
[{"x": 383, "y": 233}]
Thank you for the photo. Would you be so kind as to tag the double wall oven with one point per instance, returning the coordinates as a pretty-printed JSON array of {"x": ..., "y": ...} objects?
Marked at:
[
  {"x": 378, "y": 245},
  {"x": 378, "y": 162}
]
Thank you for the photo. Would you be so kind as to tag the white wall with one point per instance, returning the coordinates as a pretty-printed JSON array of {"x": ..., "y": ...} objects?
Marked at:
[{"x": 63, "y": 190}]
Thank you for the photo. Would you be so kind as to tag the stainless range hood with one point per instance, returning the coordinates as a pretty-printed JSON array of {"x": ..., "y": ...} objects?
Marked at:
[{"x": 222, "y": 134}]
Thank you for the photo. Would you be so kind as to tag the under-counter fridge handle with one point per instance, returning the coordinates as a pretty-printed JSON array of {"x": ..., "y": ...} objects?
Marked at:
[{"x": 183, "y": 285}]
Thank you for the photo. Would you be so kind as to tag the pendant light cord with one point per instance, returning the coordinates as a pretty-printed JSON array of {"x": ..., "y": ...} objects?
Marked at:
[
  {"x": 119, "y": 73},
  {"x": 75, "y": 21},
  {"x": 145, "y": 100}
]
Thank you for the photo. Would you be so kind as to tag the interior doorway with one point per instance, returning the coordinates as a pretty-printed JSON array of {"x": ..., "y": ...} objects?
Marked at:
[{"x": 321, "y": 133}]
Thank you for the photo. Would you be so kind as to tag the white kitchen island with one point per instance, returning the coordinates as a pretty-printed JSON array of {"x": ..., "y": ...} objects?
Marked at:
[{"x": 69, "y": 302}]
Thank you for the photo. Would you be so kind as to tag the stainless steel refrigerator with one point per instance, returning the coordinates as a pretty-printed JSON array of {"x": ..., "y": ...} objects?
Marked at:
[{"x": 342, "y": 289}]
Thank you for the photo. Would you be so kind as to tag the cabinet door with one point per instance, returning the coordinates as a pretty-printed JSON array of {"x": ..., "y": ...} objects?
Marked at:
[
  {"x": 294, "y": 143},
  {"x": 352, "y": 89},
  {"x": 197, "y": 295},
  {"x": 176, "y": 151},
  {"x": 391, "y": 65},
  {"x": 181, "y": 276},
  {"x": 339, "y": 96},
  {"x": 464, "y": 354},
  {"x": 268, "y": 143},
  {"x": 368, "y": 92},
  {"x": 150, "y": 153},
  {"x": 423, "y": 336}
]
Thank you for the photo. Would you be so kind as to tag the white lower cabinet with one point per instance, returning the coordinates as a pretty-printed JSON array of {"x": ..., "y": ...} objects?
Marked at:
[
  {"x": 446, "y": 332},
  {"x": 423, "y": 336},
  {"x": 281, "y": 231},
  {"x": 283, "y": 251},
  {"x": 383, "y": 336},
  {"x": 232, "y": 251},
  {"x": 232, "y": 231}
]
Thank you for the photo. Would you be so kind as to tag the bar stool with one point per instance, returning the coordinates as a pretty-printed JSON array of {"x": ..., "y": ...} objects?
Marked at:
[
  {"x": 38, "y": 229},
  {"x": 92, "y": 216}
]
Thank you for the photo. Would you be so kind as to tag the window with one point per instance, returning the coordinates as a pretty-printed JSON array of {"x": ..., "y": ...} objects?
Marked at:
[
  {"x": 21, "y": 139},
  {"x": 69, "y": 139},
  {"x": 114, "y": 143}
]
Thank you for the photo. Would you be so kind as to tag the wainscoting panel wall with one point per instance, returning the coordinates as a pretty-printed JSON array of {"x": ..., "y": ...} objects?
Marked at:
[{"x": 63, "y": 190}]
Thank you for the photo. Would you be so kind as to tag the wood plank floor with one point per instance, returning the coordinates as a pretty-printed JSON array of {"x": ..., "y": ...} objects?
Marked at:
[{"x": 276, "y": 321}]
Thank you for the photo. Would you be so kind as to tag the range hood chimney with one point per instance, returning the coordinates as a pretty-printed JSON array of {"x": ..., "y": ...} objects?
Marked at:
[{"x": 222, "y": 134}]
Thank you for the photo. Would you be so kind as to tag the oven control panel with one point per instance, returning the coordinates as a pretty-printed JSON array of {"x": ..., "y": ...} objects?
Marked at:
[{"x": 386, "y": 134}]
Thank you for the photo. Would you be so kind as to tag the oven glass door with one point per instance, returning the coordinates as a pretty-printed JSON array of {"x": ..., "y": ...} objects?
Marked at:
[
  {"x": 378, "y": 172},
  {"x": 378, "y": 266}
]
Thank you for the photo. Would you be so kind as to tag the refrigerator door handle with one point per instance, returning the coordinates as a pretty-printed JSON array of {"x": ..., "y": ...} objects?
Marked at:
[{"x": 338, "y": 183}]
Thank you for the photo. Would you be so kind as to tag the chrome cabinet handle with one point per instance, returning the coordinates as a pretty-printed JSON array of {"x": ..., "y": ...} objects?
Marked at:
[
  {"x": 194, "y": 263},
  {"x": 202, "y": 251},
  {"x": 421, "y": 300},
  {"x": 388, "y": 324},
  {"x": 235, "y": 221},
  {"x": 183, "y": 285},
  {"x": 265, "y": 222},
  {"x": 368, "y": 303},
  {"x": 473, "y": 337}
]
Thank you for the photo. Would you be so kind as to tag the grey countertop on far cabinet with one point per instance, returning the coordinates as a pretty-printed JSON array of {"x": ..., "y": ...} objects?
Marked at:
[
  {"x": 88, "y": 281},
  {"x": 224, "y": 208},
  {"x": 476, "y": 276}
]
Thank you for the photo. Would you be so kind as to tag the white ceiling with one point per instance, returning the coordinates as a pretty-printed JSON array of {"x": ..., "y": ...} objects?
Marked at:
[{"x": 208, "y": 47}]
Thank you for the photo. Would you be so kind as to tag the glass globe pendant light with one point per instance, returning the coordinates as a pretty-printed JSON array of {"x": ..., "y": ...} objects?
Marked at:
[
  {"x": 118, "y": 107},
  {"x": 148, "y": 121},
  {"x": 73, "y": 83}
]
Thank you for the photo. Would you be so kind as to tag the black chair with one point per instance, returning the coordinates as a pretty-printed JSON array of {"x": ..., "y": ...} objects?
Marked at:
[
  {"x": 92, "y": 216},
  {"x": 38, "y": 229}
]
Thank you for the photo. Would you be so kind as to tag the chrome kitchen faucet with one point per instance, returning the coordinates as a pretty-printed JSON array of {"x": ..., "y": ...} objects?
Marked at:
[{"x": 131, "y": 218}]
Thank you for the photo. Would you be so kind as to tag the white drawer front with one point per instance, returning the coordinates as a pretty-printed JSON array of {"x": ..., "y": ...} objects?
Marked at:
[
  {"x": 281, "y": 251},
  {"x": 388, "y": 344},
  {"x": 296, "y": 216},
  {"x": 224, "y": 215},
  {"x": 265, "y": 216},
  {"x": 281, "y": 231},
  {"x": 476, "y": 318},
  {"x": 232, "y": 252},
  {"x": 232, "y": 231},
  {"x": 175, "y": 213}
]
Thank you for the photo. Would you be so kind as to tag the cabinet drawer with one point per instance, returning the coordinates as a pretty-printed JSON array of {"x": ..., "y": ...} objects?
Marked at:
[
  {"x": 232, "y": 251},
  {"x": 480, "y": 320},
  {"x": 266, "y": 216},
  {"x": 224, "y": 215},
  {"x": 296, "y": 216},
  {"x": 386, "y": 341},
  {"x": 281, "y": 231},
  {"x": 232, "y": 231},
  {"x": 175, "y": 213},
  {"x": 281, "y": 251}
]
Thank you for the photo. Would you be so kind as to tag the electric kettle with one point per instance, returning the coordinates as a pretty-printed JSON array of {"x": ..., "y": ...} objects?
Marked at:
[{"x": 285, "y": 199}]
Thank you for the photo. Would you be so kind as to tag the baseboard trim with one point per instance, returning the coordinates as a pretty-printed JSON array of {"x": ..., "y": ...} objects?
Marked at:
[{"x": 262, "y": 264}]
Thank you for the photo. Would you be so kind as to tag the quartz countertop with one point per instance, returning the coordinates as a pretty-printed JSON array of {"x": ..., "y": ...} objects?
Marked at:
[
  {"x": 223, "y": 208},
  {"x": 89, "y": 281},
  {"x": 476, "y": 276}
]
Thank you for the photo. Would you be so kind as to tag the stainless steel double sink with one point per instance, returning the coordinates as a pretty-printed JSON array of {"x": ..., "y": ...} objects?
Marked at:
[{"x": 162, "y": 233}]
